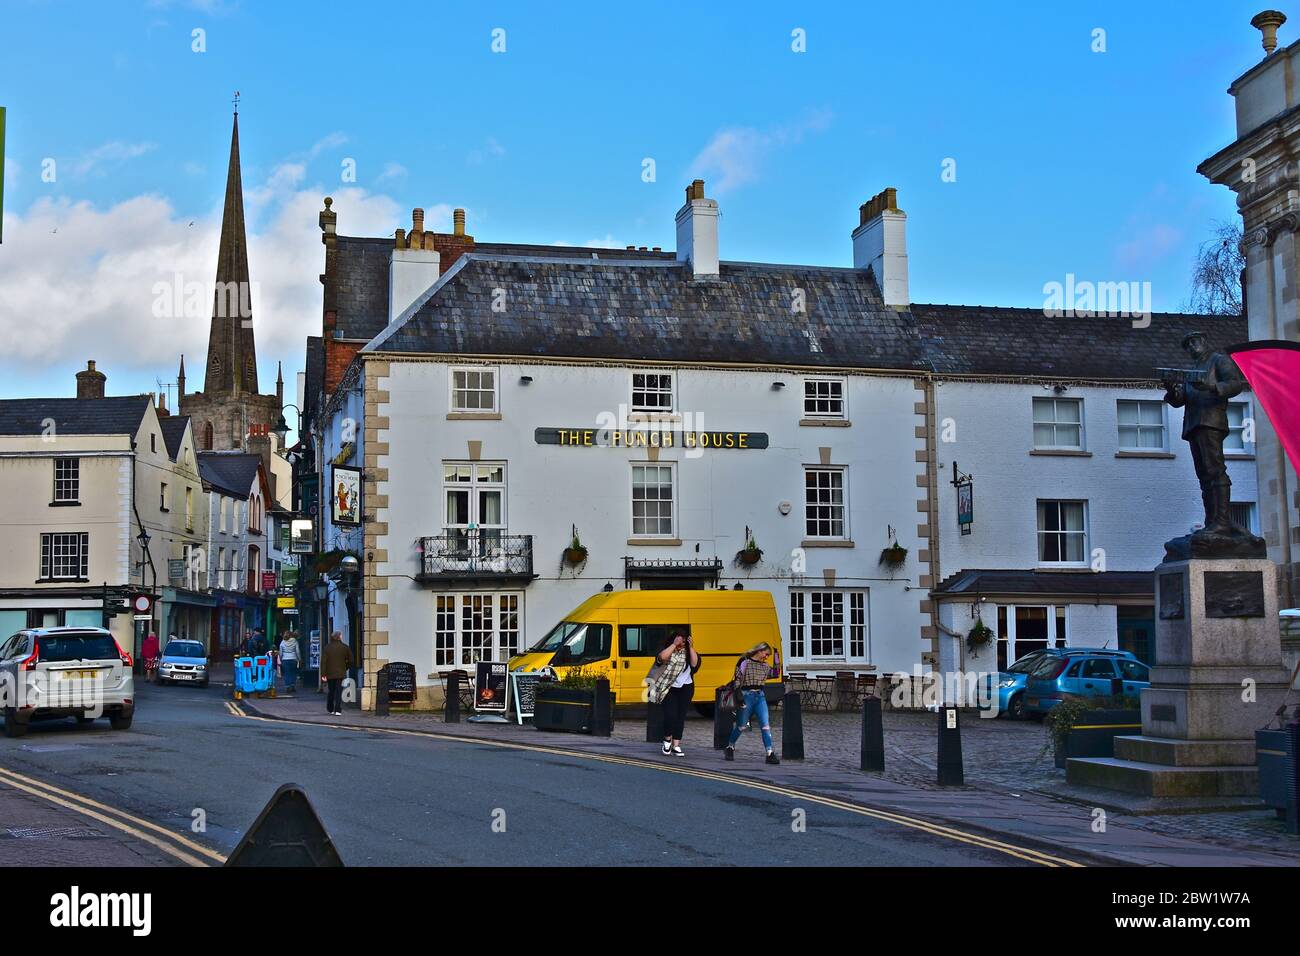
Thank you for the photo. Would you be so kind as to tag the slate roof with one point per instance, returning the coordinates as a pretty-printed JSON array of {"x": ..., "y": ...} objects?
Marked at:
[
  {"x": 1110, "y": 583},
  {"x": 313, "y": 376},
  {"x": 173, "y": 429},
  {"x": 981, "y": 340},
  {"x": 120, "y": 415},
  {"x": 654, "y": 308},
  {"x": 231, "y": 472}
]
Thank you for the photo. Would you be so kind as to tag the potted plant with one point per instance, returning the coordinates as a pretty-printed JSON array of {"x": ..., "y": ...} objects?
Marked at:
[
  {"x": 576, "y": 552},
  {"x": 566, "y": 704},
  {"x": 1088, "y": 726},
  {"x": 979, "y": 635},
  {"x": 751, "y": 553},
  {"x": 893, "y": 556}
]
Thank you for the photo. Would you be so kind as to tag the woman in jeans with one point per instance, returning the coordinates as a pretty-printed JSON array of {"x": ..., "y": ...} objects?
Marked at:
[
  {"x": 673, "y": 685},
  {"x": 751, "y": 674},
  {"x": 289, "y": 661}
]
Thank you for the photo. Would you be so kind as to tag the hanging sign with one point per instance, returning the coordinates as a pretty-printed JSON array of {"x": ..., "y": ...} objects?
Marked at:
[
  {"x": 965, "y": 485},
  {"x": 649, "y": 437}
]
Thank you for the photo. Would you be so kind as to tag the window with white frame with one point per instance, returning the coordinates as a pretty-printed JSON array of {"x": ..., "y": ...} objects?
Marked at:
[
  {"x": 1062, "y": 532},
  {"x": 474, "y": 496},
  {"x": 652, "y": 391},
  {"x": 67, "y": 479},
  {"x": 825, "y": 506},
  {"x": 473, "y": 627},
  {"x": 823, "y": 398},
  {"x": 473, "y": 389},
  {"x": 1243, "y": 515},
  {"x": 1240, "y": 428},
  {"x": 1141, "y": 425},
  {"x": 829, "y": 625},
  {"x": 652, "y": 501},
  {"x": 65, "y": 556},
  {"x": 189, "y": 508},
  {"x": 1058, "y": 424}
]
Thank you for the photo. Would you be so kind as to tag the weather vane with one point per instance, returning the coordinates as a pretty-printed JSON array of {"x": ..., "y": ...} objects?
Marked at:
[{"x": 236, "y": 101}]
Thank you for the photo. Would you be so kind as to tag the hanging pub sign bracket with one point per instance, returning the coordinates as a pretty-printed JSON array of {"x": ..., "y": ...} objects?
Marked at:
[{"x": 965, "y": 485}]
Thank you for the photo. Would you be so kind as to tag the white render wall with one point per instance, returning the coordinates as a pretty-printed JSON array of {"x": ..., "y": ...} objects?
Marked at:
[
  {"x": 550, "y": 488},
  {"x": 1134, "y": 504}
]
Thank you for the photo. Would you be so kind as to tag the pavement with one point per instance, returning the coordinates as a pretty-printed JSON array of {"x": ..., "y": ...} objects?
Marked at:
[{"x": 1007, "y": 795}]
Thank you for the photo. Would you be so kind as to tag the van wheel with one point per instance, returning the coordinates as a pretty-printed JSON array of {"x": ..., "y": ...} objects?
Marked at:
[
  {"x": 13, "y": 726},
  {"x": 705, "y": 711},
  {"x": 118, "y": 722}
]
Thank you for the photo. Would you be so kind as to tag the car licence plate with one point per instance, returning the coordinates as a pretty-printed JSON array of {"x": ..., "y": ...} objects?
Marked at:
[
  {"x": 179, "y": 676},
  {"x": 78, "y": 675}
]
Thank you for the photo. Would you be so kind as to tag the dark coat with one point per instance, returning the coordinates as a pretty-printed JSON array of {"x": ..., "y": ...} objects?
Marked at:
[{"x": 335, "y": 660}]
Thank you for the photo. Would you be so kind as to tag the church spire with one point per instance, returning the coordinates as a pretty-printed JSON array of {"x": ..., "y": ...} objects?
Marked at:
[{"x": 232, "y": 357}]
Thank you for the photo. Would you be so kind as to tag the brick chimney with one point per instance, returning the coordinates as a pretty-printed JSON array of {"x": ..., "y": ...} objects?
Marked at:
[
  {"x": 697, "y": 232},
  {"x": 880, "y": 244},
  {"x": 412, "y": 266},
  {"x": 90, "y": 381}
]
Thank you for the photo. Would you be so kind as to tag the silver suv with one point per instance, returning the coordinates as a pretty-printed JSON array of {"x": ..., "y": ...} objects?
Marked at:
[{"x": 53, "y": 672}]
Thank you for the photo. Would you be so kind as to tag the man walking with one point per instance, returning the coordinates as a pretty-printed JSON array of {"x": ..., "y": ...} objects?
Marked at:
[{"x": 334, "y": 664}]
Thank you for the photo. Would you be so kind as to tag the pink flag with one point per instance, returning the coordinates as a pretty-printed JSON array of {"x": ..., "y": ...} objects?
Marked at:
[{"x": 1273, "y": 370}]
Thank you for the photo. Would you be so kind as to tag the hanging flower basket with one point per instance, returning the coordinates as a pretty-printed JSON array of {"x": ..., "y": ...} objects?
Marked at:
[
  {"x": 751, "y": 553},
  {"x": 575, "y": 555},
  {"x": 979, "y": 635},
  {"x": 893, "y": 556}
]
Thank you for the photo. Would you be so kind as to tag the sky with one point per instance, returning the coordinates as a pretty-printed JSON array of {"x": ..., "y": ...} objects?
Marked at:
[{"x": 545, "y": 122}]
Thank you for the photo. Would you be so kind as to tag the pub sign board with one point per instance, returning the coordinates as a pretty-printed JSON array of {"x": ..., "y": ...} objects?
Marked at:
[
  {"x": 490, "y": 679},
  {"x": 650, "y": 437},
  {"x": 524, "y": 693},
  {"x": 345, "y": 495},
  {"x": 401, "y": 682}
]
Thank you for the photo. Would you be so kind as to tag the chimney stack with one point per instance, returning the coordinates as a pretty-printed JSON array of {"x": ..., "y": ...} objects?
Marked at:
[
  {"x": 90, "y": 381},
  {"x": 412, "y": 267},
  {"x": 880, "y": 244},
  {"x": 697, "y": 232}
]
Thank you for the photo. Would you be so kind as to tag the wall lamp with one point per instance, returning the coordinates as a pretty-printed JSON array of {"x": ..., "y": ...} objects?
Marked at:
[{"x": 777, "y": 386}]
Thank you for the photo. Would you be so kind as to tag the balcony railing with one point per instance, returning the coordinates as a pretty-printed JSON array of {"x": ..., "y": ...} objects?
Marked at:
[{"x": 484, "y": 554}]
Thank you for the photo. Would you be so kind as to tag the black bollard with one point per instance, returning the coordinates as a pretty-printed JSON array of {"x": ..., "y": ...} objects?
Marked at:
[
  {"x": 451, "y": 706},
  {"x": 722, "y": 721},
  {"x": 792, "y": 728},
  {"x": 381, "y": 692},
  {"x": 654, "y": 723},
  {"x": 951, "y": 773},
  {"x": 873, "y": 735},
  {"x": 602, "y": 710}
]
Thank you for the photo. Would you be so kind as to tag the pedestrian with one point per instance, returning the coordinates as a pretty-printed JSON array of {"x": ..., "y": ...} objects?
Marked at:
[
  {"x": 289, "y": 661},
  {"x": 260, "y": 647},
  {"x": 149, "y": 653},
  {"x": 672, "y": 684},
  {"x": 752, "y": 672},
  {"x": 334, "y": 664}
]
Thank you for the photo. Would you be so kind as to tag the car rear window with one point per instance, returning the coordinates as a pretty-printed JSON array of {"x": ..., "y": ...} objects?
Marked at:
[
  {"x": 77, "y": 647},
  {"x": 184, "y": 649}
]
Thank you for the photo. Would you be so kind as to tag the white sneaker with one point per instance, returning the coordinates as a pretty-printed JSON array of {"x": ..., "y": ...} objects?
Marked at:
[
  {"x": 668, "y": 748},
  {"x": 677, "y": 752}
]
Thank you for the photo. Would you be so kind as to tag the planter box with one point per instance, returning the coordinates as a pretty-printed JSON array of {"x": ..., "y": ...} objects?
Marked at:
[
  {"x": 1095, "y": 735},
  {"x": 1275, "y": 753},
  {"x": 563, "y": 709}
]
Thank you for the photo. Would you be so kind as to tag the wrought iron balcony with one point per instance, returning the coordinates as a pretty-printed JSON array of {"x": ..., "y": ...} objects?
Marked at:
[{"x": 459, "y": 556}]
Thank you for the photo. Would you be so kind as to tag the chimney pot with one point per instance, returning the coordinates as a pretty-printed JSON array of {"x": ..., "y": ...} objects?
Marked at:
[
  {"x": 417, "y": 221},
  {"x": 1267, "y": 22},
  {"x": 458, "y": 221}
]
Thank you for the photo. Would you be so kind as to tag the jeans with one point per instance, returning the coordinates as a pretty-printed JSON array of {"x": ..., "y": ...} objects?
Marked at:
[
  {"x": 675, "y": 704},
  {"x": 755, "y": 704},
  {"x": 334, "y": 694},
  {"x": 290, "y": 671}
]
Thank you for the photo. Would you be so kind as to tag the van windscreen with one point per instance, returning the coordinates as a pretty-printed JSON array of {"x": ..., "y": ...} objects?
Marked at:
[{"x": 555, "y": 637}]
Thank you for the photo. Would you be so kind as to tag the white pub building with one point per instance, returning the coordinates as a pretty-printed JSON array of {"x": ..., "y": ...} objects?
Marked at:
[{"x": 666, "y": 409}]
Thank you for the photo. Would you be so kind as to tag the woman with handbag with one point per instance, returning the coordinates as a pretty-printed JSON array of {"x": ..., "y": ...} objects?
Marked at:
[
  {"x": 752, "y": 673},
  {"x": 672, "y": 684}
]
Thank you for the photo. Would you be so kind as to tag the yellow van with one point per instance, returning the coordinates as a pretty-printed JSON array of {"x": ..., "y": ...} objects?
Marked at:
[{"x": 616, "y": 634}]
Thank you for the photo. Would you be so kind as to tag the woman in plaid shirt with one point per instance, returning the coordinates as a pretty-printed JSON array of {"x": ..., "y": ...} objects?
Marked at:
[{"x": 751, "y": 674}]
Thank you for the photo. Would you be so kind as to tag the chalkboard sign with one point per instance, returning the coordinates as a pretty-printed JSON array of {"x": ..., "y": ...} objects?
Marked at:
[
  {"x": 525, "y": 687},
  {"x": 490, "y": 687},
  {"x": 401, "y": 682}
]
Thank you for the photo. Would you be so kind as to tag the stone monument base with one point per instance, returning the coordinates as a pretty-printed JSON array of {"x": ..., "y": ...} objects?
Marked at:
[{"x": 1219, "y": 679}]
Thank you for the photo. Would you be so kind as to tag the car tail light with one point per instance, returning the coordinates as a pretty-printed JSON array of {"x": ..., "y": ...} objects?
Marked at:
[
  {"x": 126, "y": 658},
  {"x": 30, "y": 663}
]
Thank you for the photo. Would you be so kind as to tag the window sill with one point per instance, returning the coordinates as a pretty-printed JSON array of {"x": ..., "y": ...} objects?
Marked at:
[
  {"x": 638, "y": 416},
  {"x": 473, "y": 416},
  {"x": 65, "y": 504},
  {"x": 1238, "y": 456},
  {"x": 165, "y": 511},
  {"x": 63, "y": 580},
  {"x": 826, "y": 543},
  {"x": 824, "y": 423},
  {"x": 1061, "y": 453},
  {"x": 1074, "y": 568},
  {"x": 1145, "y": 454},
  {"x": 654, "y": 542}
]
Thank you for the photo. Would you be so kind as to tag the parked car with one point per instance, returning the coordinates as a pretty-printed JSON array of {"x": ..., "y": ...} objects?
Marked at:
[
  {"x": 1083, "y": 673},
  {"x": 183, "y": 662},
  {"x": 1012, "y": 681},
  {"x": 56, "y": 672}
]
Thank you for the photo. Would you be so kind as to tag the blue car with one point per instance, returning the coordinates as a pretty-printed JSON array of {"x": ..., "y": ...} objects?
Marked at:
[
  {"x": 1012, "y": 681},
  {"x": 1083, "y": 673},
  {"x": 183, "y": 662}
]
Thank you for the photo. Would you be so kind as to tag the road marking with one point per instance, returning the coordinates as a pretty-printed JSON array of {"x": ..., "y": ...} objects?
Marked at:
[
  {"x": 889, "y": 816},
  {"x": 110, "y": 816}
]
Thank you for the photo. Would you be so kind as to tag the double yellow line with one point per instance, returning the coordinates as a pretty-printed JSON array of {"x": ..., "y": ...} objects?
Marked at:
[
  {"x": 889, "y": 816},
  {"x": 174, "y": 844}
]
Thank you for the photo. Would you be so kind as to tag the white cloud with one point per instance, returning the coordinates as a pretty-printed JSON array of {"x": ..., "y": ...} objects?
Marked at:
[
  {"x": 391, "y": 171},
  {"x": 735, "y": 155},
  {"x": 108, "y": 154},
  {"x": 489, "y": 148},
  {"x": 1149, "y": 245},
  {"x": 329, "y": 141}
]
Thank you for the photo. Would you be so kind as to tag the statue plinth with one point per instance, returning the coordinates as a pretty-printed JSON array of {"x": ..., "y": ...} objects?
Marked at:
[
  {"x": 1211, "y": 545},
  {"x": 1218, "y": 678}
]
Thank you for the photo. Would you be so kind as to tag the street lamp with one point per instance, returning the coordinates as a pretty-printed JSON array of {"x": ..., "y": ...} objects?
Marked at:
[{"x": 281, "y": 429}]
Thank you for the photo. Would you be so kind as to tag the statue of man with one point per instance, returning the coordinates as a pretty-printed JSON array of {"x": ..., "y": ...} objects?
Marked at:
[{"x": 1204, "y": 401}]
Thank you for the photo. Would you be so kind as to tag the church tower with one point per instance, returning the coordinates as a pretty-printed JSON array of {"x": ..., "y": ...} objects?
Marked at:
[{"x": 229, "y": 411}]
